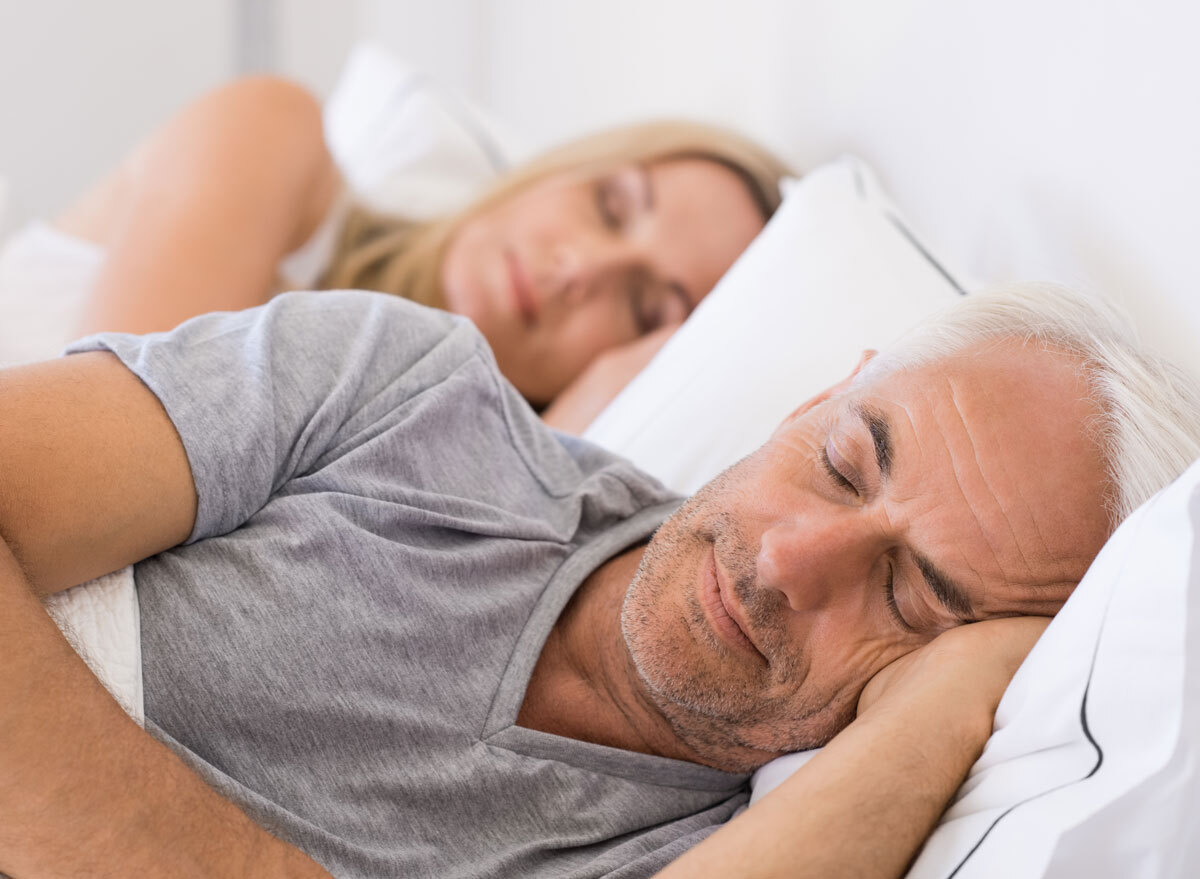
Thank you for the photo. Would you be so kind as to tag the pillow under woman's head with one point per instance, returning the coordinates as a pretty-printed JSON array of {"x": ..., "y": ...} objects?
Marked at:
[{"x": 836, "y": 271}]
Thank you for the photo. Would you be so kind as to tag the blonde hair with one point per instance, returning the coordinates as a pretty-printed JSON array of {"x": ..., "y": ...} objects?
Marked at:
[{"x": 381, "y": 252}]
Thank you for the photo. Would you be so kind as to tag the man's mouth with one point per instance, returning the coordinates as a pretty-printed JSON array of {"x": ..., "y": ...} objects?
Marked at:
[
  {"x": 722, "y": 610},
  {"x": 522, "y": 294}
]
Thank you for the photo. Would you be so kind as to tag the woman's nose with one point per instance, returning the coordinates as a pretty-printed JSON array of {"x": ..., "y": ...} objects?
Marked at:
[
  {"x": 815, "y": 562},
  {"x": 587, "y": 266}
]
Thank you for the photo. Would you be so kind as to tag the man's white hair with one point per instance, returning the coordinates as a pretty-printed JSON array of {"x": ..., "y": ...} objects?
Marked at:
[{"x": 1149, "y": 423}]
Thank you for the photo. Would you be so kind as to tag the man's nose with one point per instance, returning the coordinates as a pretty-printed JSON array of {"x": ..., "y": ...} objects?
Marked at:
[{"x": 816, "y": 563}]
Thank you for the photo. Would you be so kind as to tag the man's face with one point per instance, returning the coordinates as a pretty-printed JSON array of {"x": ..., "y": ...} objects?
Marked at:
[{"x": 870, "y": 522}]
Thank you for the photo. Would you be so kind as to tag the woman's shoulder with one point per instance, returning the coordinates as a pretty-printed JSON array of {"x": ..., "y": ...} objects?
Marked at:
[
  {"x": 259, "y": 139},
  {"x": 245, "y": 110}
]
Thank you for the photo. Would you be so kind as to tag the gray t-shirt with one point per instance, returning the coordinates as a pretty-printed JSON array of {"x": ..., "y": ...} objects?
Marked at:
[{"x": 386, "y": 534}]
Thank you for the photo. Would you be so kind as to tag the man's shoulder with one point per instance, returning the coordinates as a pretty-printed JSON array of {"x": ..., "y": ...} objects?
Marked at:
[
  {"x": 362, "y": 330},
  {"x": 364, "y": 306}
]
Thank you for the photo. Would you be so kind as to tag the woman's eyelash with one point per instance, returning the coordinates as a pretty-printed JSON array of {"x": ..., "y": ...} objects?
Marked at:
[
  {"x": 606, "y": 196},
  {"x": 837, "y": 477},
  {"x": 644, "y": 321}
]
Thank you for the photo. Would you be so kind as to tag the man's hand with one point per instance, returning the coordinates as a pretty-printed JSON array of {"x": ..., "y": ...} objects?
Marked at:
[
  {"x": 863, "y": 806},
  {"x": 966, "y": 670}
]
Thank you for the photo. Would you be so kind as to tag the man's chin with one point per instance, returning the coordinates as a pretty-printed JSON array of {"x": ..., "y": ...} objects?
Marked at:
[
  {"x": 721, "y": 710},
  {"x": 723, "y": 726}
]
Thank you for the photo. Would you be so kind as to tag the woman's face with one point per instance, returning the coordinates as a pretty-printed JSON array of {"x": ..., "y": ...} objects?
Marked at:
[{"x": 576, "y": 265}]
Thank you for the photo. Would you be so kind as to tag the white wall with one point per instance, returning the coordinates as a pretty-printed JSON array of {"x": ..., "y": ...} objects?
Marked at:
[
  {"x": 1025, "y": 138},
  {"x": 1048, "y": 139},
  {"x": 312, "y": 38},
  {"x": 80, "y": 81},
  {"x": 559, "y": 68},
  {"x": 450, "y": 39}
]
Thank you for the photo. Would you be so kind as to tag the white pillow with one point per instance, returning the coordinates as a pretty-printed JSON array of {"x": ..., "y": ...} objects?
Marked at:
[
  {"x": 835, "y": 271},
  {"x": 1094, "y": 767},
  {"x": 406, "y": 145}
]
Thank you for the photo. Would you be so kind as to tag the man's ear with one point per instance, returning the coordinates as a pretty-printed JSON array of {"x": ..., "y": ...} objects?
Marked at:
[{"x": 840, "y": 388}]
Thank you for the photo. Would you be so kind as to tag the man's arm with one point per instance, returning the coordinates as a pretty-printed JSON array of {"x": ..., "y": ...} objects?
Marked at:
[
  {"x": 93, "y": 477},
  {"x": 863, "y": 806}
]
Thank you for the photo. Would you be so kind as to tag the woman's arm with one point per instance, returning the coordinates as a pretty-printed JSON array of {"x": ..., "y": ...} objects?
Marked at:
[
  {"x": 863, "y": 806},
  {"x": 93, "y": 476},
  {"x": 585, "y": 398},
  {"x": 198, "y": 217}
]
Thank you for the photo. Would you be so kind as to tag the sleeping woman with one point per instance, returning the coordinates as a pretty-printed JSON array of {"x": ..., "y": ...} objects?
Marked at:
[{"x": 576, "y": 267}]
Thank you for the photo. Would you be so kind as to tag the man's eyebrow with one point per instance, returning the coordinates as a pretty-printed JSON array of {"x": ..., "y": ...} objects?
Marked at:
[
  {"x": 881, "y": 435},
  {"x": 950, "y": 595}
]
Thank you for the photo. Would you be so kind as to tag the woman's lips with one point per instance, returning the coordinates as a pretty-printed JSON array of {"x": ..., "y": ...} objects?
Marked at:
[
  {"x": 722, "y": 611},
  {"x": 522, "y": 294}
]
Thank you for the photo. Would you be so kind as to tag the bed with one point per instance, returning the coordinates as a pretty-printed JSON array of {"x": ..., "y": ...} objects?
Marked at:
[{"x": 1049, "y": 141}]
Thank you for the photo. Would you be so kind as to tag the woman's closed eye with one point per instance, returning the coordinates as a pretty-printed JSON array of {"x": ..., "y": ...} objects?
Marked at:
[
  {"x": 615, "y": 199},
  {"x": 611, "y": 203},
  {"x": 620, "y": 195},
  {"x": 655, "y": 305}
]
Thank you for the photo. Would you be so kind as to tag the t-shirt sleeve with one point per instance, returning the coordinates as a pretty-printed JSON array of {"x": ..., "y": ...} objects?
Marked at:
[{"x": 258, "y": 396}]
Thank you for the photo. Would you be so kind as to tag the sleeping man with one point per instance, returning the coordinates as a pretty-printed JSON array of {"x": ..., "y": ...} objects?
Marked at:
[{"x": 391, "y": 625}]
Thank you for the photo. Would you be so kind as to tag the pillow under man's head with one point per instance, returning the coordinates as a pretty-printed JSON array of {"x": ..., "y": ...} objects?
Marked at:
[{"x": 973, "y": 470}]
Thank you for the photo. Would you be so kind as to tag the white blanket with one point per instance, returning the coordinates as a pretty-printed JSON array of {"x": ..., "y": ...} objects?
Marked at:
[{"x": 44, "y": 275}]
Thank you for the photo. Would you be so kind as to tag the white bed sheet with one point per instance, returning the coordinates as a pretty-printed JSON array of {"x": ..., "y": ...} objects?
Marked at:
[{"x": 44, "y": 276}]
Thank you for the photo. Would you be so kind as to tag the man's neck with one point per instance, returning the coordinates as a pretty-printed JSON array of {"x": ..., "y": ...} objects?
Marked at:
[{"x": 585, "y": 685}]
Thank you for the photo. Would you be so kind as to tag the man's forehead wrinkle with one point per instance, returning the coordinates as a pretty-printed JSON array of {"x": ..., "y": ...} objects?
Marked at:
[
  {"x": 960, "y": 477},
  {"x": 955, "y": 599},
  {"x": 1036, "y": 568},
  {"x": 996, "y": 576},
  {"x": 1025, "y": 505},
  {"x": 999, "y": 462}
]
